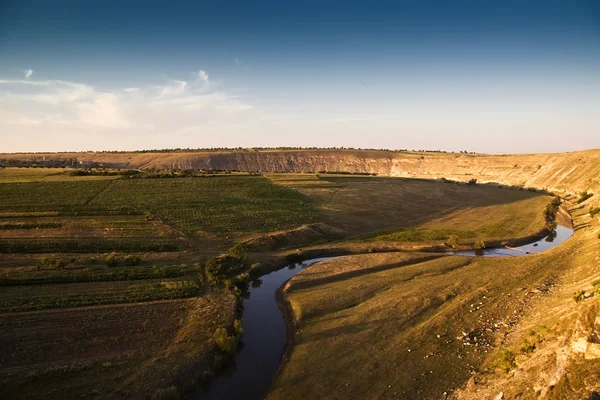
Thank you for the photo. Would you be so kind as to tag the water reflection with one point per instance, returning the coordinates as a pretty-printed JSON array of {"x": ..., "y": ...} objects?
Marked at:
[
  {"x": 550, "y": 238},
  {"x": 256, "y": 283},
  {"x": 262, "y": 342},
  {"x": 556, "y": 237}
]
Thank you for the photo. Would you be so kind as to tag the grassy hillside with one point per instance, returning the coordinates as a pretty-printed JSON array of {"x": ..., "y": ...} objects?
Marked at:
[
  {"x": 420, "y": 211},
  {"x": 466, "y": 328}
]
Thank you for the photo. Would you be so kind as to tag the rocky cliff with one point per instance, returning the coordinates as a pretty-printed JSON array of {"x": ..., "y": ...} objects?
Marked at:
[{"x": 565, "y": 172}]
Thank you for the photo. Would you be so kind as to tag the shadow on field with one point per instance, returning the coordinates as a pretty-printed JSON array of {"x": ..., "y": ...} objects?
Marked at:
[
  {"x": 371, "y": 204},
  {"x": 356, "y": 273}
]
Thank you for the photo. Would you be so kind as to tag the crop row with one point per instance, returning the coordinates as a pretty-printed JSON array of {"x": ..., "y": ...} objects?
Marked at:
[
  {"x": 23, "y": 278},
  {"x": 45, "y": 195},
  {"x": 85, "y": 245},
  {"x": 65, "y": 211},
  {"x": 136, "y": 294},
  {"x": 24, "y": 225},
  {"x": 218, "y": 205}
]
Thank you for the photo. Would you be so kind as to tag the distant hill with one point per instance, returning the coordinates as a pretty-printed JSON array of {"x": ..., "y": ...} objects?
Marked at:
[{"x": 575, "y": 171}]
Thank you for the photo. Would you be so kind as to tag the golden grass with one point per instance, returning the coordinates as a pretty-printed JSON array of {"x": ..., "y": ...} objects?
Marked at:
[
  {"x": 421, "y": 330},
  {"x": 379, "y": 206}
]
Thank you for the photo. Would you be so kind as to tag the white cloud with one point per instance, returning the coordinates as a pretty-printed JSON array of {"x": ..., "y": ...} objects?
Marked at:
[
  {"x": 203, "y": 76},
  {"x": 175, "y": 88},
  {"x": 81, "y": 116},
  {"x": 28, "y": 73}
]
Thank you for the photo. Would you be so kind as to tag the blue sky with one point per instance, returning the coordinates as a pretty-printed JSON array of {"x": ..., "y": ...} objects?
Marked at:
[{"x": 487, "y": 76}]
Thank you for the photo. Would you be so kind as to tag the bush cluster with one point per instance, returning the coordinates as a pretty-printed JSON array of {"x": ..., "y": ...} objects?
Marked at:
[
  {"x": 507, "y": 361},
  {"x": 53, "y": 262},
  {"x": 111, "y": 260},
  {"x": 550, "y": 214},
  {"x": 225, "y": 342},
  {"x": 452, "y": 241},
  {"x": 579, "y": 295},
  {"x": 220, "y": 269}
]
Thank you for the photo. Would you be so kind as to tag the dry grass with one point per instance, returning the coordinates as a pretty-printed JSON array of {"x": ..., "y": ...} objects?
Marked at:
[
  {"x": 376, "y": 335},
  {"x": 379, "y": 206}
]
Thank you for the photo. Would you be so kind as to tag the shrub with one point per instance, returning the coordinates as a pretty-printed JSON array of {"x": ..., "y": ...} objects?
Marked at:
[
  {"x": 220, "y": 268},
  {"x": 239, "y": 251},
  {"x": 479, "y": 245},
  {"x": 255, "y": 269},
  {"x": 550, "y": 214},
  {"x": 242, "y": 279},
  {"x": 594, "y": 211},
  {"x": 527, "y": 347},
  {"x": 579, "y": 295},
  {"x": 508, "y": 361},
  {"x": 472, "y": 182},
  {"x": 47, "y": 261},
  {"x": 132, "y": 260},
  {"x": 551, "y": 226},
  {"x": 452, "y": 241},
  {"x": 111, "y": 260},
  {"x": 59, "y": 264},
  {"x": 238, "y": 327},
  {"x": 53, "y": 263},
  {"x": 226, "y": 344}
]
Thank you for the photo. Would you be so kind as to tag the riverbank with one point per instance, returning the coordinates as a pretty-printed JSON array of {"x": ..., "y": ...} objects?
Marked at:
[{"x": 376, "y": 323}]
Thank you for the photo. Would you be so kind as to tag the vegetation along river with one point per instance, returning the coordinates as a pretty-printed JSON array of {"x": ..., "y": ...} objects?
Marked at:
[{"x": 264, "y": 335}]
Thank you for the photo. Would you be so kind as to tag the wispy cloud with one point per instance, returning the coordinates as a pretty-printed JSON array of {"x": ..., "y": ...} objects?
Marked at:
[
  {"x": 28, "y": 73},
  {"x": 237, "y": 61},
  {"x": 173, "y": 89},
  {"x": 202, "y": 76},
  {"x": 38, "y": 108}
]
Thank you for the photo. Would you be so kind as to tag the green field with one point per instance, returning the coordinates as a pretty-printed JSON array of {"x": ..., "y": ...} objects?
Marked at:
[
  {"x": 146, "y": 214},
  {"x": 213, "y": 205}
]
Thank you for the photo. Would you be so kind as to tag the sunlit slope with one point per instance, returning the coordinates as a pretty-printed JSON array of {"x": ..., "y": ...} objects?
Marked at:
[
  {"x": 574, "y": 171},
  {"x": 377, "y": 326}
]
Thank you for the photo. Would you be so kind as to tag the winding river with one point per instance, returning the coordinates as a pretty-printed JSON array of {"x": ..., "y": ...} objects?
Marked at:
[{"x": 264, "y": 336}]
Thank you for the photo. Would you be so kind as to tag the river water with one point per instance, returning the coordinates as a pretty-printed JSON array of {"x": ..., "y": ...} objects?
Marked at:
[{"x": 264, "y": 335}]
